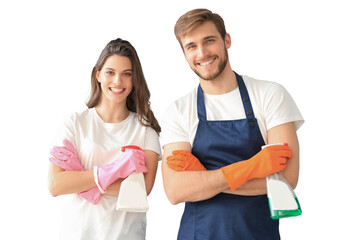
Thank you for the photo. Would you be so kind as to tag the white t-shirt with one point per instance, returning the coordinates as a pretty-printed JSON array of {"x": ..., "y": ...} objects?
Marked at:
[
  {"x": 272, "y": 106},
  {"x": 99, "y": 143}
]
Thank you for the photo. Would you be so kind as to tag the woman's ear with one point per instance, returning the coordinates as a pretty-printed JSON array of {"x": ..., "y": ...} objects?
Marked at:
[{"x": 98, "y": 76}]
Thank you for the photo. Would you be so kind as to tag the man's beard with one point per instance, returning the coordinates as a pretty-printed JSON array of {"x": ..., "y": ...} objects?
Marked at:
[{"x": 221, "y": 67}]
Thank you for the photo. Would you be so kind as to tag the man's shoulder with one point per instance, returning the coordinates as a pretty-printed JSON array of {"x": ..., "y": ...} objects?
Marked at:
[
  {"x": 186, "y": 100},
  {"x": 256, "y": 83},
  {"x": 262, "y": 87}
]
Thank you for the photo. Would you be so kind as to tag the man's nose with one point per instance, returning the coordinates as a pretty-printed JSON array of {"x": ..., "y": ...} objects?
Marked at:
[{"x": 202, "y": 51}]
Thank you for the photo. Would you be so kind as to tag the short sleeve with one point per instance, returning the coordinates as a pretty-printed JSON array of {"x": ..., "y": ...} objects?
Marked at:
[
  {"x": 66, "y": 131},
  {"x": 151, "y": 141},
  {"x": 279, "y": 107},
  {"x": 172, "y": 125}
]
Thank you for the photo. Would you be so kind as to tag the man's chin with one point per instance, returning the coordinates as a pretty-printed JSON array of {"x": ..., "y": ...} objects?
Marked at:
[{"x": 207, "y": 77}]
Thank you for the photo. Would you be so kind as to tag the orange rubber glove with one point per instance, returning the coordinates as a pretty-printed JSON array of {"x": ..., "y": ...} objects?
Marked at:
[
  {"x": 183, "y": 160},
  {"x": 266, "y": 162}
]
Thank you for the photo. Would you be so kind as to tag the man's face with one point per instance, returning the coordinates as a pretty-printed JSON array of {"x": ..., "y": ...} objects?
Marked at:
[{"x": 205, "y": 51}]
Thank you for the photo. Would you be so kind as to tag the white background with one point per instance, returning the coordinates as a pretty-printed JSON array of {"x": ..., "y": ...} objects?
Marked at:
[{"x": 47, "y": 52}]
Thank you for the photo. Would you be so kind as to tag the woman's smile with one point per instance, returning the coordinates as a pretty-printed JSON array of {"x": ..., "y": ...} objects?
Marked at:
[{"x": 117, "y": 90}]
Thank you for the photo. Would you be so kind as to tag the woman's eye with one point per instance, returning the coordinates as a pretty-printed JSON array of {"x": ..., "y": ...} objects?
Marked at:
[
  {"x": 127, "y": 74},
  {"x": 109, "y": 73}
]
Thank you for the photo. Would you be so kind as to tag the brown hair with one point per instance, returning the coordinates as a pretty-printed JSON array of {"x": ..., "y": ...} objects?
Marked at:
[
  {"x": 138, "y": 99},
  {"x": 195, "y": 18}
]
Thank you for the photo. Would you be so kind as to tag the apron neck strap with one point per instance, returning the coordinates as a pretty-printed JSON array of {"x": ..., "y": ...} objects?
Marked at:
[
  {"x": 201, "y": 110},
  {"x": 248, "y": 109}
]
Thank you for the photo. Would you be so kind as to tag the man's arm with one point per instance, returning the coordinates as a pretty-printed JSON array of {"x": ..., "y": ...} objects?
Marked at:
[
  {"x": 285, "y": 133},
  {"x": 190, "y": 186}
]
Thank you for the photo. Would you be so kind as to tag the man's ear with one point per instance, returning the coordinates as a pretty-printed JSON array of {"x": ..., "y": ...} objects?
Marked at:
[{"x": 228, "y": 41}]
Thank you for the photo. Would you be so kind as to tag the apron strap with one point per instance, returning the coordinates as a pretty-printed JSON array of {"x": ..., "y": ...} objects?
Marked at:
[
  {"x": 201, "y": 110},
  {"x": 248, "y": 109}
]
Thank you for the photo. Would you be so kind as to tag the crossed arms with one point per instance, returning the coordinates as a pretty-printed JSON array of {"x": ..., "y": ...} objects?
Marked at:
[
  {"x": 191, "y": 186},
  {"x": 62, "y": 182}
]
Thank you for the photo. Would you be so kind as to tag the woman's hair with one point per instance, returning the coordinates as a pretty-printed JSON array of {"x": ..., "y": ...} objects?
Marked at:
[
  {"x": 138, "y": 99},
  {"x": 195, "y": 18}
]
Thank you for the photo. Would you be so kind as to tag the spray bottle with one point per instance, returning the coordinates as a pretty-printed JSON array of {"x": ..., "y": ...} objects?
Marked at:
[
  {"x": 133, "y": 194},
  {"x": 283, "y": 201}
]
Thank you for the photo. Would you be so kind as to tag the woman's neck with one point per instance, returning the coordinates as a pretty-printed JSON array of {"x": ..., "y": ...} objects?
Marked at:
[{"x": 112, "y": 113}]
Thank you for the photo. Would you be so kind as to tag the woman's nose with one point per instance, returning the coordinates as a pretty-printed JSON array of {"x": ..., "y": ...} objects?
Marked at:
[{"x": 116, "y": 79}]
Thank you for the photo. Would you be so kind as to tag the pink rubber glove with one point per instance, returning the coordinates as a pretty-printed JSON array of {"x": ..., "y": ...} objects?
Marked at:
[
  {"x": 66, "y": 157},
  {"x": 92, "y": 195},
  {"x": 132, "y": 161}
]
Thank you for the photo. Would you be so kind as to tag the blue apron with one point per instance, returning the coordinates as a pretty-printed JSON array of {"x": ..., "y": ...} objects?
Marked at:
[{"x": 227, "y": 216}]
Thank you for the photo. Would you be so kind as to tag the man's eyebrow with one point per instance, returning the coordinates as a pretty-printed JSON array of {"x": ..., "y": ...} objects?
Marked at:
[
  {"x": 209, "y": 37},
  {"x": 205, "y": 38},
  {"x": 188, "y": 44}
]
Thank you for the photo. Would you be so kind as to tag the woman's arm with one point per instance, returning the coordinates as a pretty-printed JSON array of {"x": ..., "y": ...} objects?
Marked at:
[
  {"x": 62, "y": 182},
  {"x": 114, "y": 188},
  {"x": 149, "y": 177},
  {"x": 152, "y": 166}
]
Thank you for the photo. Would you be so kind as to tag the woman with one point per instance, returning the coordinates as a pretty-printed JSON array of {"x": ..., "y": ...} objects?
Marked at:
[{"x": 118, "y": 114}]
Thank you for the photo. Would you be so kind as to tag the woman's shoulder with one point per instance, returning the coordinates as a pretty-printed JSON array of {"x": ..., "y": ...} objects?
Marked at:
[
  {"x": 133, "y": 119},
  {"x": 79, "y": 116}
]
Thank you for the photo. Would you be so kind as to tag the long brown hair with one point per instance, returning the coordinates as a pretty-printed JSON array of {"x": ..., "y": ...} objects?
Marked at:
[{"x": 138, "y": 99}]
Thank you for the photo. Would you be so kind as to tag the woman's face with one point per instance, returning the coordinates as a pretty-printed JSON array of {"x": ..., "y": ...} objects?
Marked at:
[{"x": 116, "y": 79}]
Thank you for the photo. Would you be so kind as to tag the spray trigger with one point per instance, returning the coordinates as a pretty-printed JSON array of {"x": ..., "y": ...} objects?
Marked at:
[{"x": 123, "y": 149}]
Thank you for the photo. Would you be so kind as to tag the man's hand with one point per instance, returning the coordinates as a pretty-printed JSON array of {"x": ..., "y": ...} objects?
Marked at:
[
  {"x": 266, "y": 162},
  {"x": 183, "y": 160}
]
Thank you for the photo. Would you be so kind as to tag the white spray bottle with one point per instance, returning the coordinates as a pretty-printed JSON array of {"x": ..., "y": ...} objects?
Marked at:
[
  {"x": 283, "y": 201},
  {"x": 133, "y": 194}
]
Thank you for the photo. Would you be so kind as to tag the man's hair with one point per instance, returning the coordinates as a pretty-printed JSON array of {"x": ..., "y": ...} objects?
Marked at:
[{"x": 194, "y": 18}]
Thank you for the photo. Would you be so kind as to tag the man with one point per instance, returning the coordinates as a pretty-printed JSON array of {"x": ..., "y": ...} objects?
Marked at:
[{"x": 212, "y": 140}]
